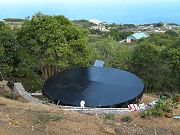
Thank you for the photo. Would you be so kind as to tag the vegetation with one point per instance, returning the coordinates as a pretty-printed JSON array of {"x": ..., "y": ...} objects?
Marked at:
[
  {"x": 160, "y": 24},
  {"x": 84, "y": 23},
  {"x": 118, "y": 35},
  {"x": 109, "y": 116},
  {"x": 2, "y": 25},
  {"x": 111, "y": 52},
  {"x": 56, "y": 117},
  {"x": 13, "y": 20},
  {"x": 43, "y": 118},
  {"x": 8, "y": 53},
  {"x": 53, "y": 42},
  {"x": 144, "y": 62},
  {"x": 126, "y": 119},
  {"x": 47, "y": 44},
  {"x": 160, "y": 39},
  {"x": 163, "y": 107},
  {"x": 44, "y": 45},
  {"x": 110, "y": 119},
  {"x": 121, "y": 26},
  {"x": 158, "y": 65},
  {"x": 11, "y": 95},
  {"x": 172, "y": 33}
]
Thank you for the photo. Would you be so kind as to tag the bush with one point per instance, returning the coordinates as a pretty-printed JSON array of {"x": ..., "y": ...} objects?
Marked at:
[
  {"x": 11, "y": 95},
  {"x": 56, "y": 117},
  {"x": 109, "y": 116},
  {"x": 163, "y": 105},
  {"x": 111, "y": 52},
  {"x": 44, "y": 118},
  {"x": 126, "y": 119},
  {"x": 145, "y": 62},
  {"x": 47, "y": 100},
  {"x": 171, "y": 58},
  {"x": 32, "y": 82},
  {"x": 146, "y": 114}
]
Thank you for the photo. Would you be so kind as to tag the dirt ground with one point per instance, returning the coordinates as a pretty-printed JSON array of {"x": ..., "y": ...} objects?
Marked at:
[{"x": 17, "y": 118}]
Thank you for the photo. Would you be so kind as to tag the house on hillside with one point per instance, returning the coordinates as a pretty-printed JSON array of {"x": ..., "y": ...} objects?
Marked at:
[
  {"x": 95, "y": 21},
  {"x": 99, "y": 27},
  {"x": 2, "y": 20},
  {"x": 136, "y": 36}
]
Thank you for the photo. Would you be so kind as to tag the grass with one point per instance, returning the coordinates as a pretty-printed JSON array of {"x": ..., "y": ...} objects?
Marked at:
[
  {"x": 126, "y": 118},
  {"x": 46, "y": 100},
  {"x": 44, "y": 118},
  {"x": 109, "y": 119},
  {"x": 56, "y": 117},
  {"x": 11, "y": 95},
  {"x": 163, "y": 106},
  {"x": 109, "y": 116}
]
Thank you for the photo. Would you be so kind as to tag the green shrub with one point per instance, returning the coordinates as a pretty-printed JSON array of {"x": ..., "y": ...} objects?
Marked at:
[
  {"x": 46, "y": 100},
  {"x": 126, "y": 119},
  {"x": 109, "y": 116},
  {"x": 11, "y": 95},
  {"x": 44, "y": 118},
  {"x": 33, "y": 82},
  {"x": 167, "y": 109},
  {"x": 152, "y": 112},
  {"x": 144, "y": 63},
  {"x": 146, "y": 114},
  {"x": 56, "y": 117},
  {"x": 163, "y": 105}
]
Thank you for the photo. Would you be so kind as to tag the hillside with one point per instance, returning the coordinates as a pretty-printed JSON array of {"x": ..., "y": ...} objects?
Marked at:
[
  {"x": 48, "y": 44},
  {"x": 17, "y": 118}
]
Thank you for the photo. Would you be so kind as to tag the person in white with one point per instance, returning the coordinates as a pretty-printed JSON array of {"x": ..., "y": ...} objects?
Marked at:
[{"x": 82, "y": 103}]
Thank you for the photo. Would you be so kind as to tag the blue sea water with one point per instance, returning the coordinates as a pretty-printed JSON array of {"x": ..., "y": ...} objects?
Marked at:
[{"x": 129, "y": 11}]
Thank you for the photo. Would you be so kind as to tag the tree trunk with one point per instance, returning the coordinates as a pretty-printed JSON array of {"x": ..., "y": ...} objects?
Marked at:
[
  {"x": 1, "y": 76},
  {"x": 48, "y": 71}
]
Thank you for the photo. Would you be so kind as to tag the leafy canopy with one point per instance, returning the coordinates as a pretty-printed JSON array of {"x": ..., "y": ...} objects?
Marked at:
[{"x": 54, "y": 41}]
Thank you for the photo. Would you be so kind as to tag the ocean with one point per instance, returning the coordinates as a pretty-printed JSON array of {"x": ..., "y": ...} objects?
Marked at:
[{"x": 117, "y": 12}]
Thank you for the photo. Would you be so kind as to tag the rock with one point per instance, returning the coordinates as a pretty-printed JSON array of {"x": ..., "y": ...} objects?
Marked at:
[
  {"x": 3, "y": 84},
  {"x": 168, "y": 115},
  {"x": 110, "y": 130},
  {"x": 19, "y": 89}
]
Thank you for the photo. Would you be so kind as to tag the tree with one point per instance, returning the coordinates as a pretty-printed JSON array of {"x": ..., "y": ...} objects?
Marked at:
[
  {"x": 172, "y": 33},
  {"x": 13, "y": 20},
  {"x": 160, "y": 24},
  {"x": 8, "y": 51},
  {"x": 3, "y": 26},
  {"x": 159, "y": 39},
  {"x": 171, "y": 59},
  {"x": 53, "y": 42},
  {"x": 145, "y": 63},
  {"x": 118, "y": 35},
  {"x": 84, "y": 23},
  {"x": 111, "y": 52}
]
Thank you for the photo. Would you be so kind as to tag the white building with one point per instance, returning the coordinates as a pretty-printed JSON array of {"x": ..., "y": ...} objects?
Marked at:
[{"x": 95, "y": 21}]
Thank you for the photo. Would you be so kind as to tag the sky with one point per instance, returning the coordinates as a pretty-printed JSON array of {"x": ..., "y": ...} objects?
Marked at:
[{"x": 118, "y": 11}]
